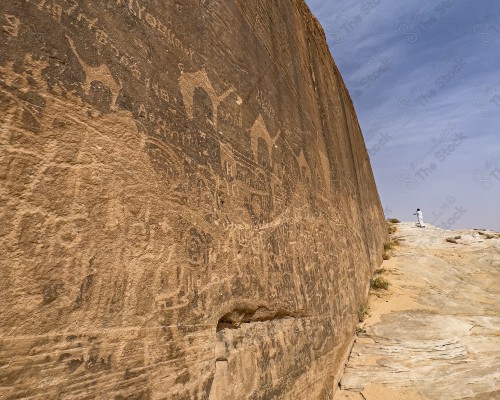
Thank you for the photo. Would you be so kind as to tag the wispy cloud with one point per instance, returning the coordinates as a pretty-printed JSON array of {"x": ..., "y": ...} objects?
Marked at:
[{"x": 423, "y": 75}]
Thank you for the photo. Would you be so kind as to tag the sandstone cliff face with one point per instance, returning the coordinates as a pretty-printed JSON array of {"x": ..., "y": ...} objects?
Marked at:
[{"x": 187, "y": 206}]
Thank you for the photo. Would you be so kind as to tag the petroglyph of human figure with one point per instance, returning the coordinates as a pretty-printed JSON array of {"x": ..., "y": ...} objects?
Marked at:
[
  {"x": 97, "y": 74},
  {"x": 189, "y": 81},
  {"x": 259, "y": 130}
]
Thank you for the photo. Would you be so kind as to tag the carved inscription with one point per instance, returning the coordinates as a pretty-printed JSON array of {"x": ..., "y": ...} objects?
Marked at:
[
  {"x": 72, "y": 10},
  {"x": 265, "y": 104},
  {"x": 97, "y": 74},
  {"x": 139, "y": 11},
  {"x": 11, "y": 25},
  {"x": 193, "y": 201}
]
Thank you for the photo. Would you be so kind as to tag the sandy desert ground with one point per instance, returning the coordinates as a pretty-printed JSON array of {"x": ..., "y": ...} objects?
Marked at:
[{"x": 435, "y": 333}]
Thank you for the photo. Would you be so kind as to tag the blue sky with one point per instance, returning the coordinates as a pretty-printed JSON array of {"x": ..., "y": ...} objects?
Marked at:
[{"x": 424, "y": 76}]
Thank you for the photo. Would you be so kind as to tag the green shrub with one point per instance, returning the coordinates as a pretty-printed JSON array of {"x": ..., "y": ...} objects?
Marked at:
[{"x": 379, "y": 283}]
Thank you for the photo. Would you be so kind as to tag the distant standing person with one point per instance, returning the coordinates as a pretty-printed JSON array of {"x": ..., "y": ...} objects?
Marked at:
[{"x": 420, "y": 218}]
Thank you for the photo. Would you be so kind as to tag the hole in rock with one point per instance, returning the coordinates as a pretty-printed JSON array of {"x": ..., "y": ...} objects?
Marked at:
[{"x": 235, "y": 318}]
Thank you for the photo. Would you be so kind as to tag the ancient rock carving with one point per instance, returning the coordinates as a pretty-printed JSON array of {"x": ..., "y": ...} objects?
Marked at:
[
  {"x": 97, "y": 74},
  {"x": 12, "y": 26},
  {"x": 31, "y": 111},
  {"x": 146, "y": 259},
  {"x": 189, "y": 81},
  {"x": 227, "y": 160},
  {"x": 259, "y": 130},
  {"x": 305, "y": 170},
  {"x": 326, "y": 168}
]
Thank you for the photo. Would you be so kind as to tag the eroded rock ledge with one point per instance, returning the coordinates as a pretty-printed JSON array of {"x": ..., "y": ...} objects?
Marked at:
[{"x": 169, "y": 170}]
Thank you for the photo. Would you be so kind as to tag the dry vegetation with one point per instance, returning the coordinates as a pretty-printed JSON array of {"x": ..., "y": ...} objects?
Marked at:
[
  {"x": 362, "y": 312},
  {"x": 388, "y": 247},
  {"x": 391, "y": 229},
  {"x": 378, "y": 283}
]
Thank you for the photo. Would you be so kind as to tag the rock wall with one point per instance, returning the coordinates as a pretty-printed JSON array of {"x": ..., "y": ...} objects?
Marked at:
[{"x": 187, "y": 206}]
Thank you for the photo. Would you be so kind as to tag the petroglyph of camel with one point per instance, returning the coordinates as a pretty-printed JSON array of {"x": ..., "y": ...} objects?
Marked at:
[
  {"x": 189, "y": 81},
  {"x": 97, "y": 74},
  {"x": 259, "y": 130}
]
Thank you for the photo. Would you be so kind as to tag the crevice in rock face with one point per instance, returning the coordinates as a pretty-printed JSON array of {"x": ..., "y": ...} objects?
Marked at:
[{"x": 235, "y": 318}]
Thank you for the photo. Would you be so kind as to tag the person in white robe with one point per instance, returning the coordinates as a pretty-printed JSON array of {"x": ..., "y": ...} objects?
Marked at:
[{"x": 420, "y": 218}]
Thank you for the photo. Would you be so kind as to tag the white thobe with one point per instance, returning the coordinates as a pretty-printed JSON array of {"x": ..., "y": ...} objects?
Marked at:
[{"x": 420, "y": 218}]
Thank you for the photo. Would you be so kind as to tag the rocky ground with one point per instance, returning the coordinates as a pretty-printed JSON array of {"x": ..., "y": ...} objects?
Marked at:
[{"x": 435, "y": 333}]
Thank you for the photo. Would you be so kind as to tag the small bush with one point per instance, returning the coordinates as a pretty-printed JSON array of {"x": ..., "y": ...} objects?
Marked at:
[
  {"x": 379, "y": 283},
  {"x": 390, "y": 245},
  {"x": 380, "y": 271},
  {"x": 458, "y": 237},
  {"x": 451, "y": 240},
  {"x": 359, "y": 331},
  {"x": 391, "y": 228},
  {"x": 490, "y": 236},
  {"x": 394, "y": 220}
]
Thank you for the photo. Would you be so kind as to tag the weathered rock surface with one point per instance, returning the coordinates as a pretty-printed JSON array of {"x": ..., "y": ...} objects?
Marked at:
[
  {"x": 436, "y": 333},
  {"x": 187, "y": 206}
]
